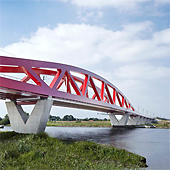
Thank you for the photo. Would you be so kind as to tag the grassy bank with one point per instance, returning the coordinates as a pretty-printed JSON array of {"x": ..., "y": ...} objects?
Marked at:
[
  {"x": 20, "y": 151},
  {"x": 162, "y": 124},
  {"x": 80, "y": 124}
]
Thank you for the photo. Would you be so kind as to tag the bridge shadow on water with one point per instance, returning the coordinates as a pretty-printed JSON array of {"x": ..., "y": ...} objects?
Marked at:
[{"x": 115, "y": 136}]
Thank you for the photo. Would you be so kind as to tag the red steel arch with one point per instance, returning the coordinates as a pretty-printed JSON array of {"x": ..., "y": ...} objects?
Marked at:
[{"x": 76, "y": 81}]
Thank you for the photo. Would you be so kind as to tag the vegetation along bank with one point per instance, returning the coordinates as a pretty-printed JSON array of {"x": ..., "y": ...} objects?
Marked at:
[{"x": 28, "y": 151}]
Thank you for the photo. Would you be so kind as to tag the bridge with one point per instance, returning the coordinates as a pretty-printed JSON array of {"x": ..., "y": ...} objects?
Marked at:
[{"x": 47, "y": 84}]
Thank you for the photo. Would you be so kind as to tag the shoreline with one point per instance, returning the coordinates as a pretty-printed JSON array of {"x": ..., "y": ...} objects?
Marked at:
[
  {"x": 110, "y": 127},
  {"x": 44, "y": 152},
  {"x": 105, "y": 124}
]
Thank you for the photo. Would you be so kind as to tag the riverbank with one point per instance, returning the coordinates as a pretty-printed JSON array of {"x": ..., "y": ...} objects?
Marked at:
[
  {"x": 25, "y": 151},
  {"x": 163, "y": 124},
  {"x": 160, "y": 124},
  {"x": 79, "y": 123}
]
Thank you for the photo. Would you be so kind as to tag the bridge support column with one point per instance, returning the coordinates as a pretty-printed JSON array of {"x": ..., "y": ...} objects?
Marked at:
[
  {"x": 37, "y": 120},
  {"x": 142, "y": 120},
  {"x": 148, "y": 121},
  {"x": 133, "y": 120},
  {"x": 122, "y": 122}
]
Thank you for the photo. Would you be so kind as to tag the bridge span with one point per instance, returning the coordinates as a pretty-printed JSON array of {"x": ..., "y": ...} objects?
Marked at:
[{"x": 47, "y": 84}]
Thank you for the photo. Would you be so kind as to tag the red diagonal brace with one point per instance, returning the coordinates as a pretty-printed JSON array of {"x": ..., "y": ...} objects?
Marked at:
[
  {"x": 30, "y": 75},
  {"x": 73, "y": 83},
  {"x": 102, "y": 90},
  {"x": 85, "y": 85},
  {"x": 108, "y": 93},
  {"x": 25, "y": 79},
  {"x": 118, "y": 98},
  {"x": 95, "y": 89}
]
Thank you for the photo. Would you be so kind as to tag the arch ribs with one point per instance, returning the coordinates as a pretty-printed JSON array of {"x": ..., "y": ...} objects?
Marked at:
[{"x": 67, "y": 82}]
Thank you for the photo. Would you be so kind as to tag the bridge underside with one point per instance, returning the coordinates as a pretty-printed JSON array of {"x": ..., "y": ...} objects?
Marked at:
[
  {"x": 25, "y": 98},
  {"x": 38, "y": 118}
]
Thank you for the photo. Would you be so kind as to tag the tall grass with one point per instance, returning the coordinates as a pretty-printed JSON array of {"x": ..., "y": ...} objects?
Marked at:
[
  {"x": 80, "y": 124},
  {"x": 162, "y": 124},
  {"x": 28, "y": 151}
]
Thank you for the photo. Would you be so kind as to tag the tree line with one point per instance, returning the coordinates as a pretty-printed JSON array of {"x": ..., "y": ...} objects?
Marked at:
[
  {"x": 72, "y": 118},
  {"x": 6, "y": 120}
]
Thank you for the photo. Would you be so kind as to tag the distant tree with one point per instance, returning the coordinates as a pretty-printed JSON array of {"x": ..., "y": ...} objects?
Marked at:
[
  {"x": 91, "y": 118},
  {"x": 68, "y": 118},
  {"x": 50, "y": 118},
  {"x": 95, "y": 119},
  {"x": 0, "y": 118},
  {"x": 54, "y": 118},
  {"x": 58, "y": 118},
  {"x": 5, "y": 121},
  {"x": 6, "y": 116},
  {"x": 104, "y": 119},
  {"x": 85, "y": 119}
]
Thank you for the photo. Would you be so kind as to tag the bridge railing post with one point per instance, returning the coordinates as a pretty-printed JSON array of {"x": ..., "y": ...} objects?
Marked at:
[{"x": 37, "y": 120}]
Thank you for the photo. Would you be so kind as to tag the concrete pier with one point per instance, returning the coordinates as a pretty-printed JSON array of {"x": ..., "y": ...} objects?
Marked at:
[
  {"x": 37, "y": 120},
  {"x": 133, "y": 120},
  {"x": 128, "y": 120},
  {"x": 121, "y": 122}
]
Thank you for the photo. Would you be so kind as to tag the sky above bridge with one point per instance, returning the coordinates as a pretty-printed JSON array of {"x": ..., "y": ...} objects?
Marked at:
[{"x": 125, "y": 41}]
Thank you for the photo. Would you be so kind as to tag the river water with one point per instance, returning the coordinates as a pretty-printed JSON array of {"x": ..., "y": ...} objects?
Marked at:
[{"x": 153, "y": 144}]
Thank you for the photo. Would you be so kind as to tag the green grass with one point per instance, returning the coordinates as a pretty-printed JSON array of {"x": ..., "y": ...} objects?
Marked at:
[
  {"x": 80, "y": 124},
  {"x": 28, "y": 151},
  {"x": 162, "y": 124}
]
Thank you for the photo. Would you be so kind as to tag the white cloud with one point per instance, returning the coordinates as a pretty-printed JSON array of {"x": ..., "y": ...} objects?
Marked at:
[
  {"x": 121, "y": 5},
  {"x": 142, "y": 71},
  {"x": 69, "y": 42},
  {"x": 129, "y": 53},
  {"x": 162, "y": 37},
  {"x": 135, "y": 7},
  {"x": 137, "y": 28},
  {"x": 125, "y": 4}
]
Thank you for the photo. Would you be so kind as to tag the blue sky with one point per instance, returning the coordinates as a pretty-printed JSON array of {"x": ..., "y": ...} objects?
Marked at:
[{"x": 127, "y": 42}]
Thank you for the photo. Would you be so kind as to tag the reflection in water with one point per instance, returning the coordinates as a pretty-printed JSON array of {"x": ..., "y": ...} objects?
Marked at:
[
  {"x": 80, "y": 133},
  {"x": 118, "y": 134},
  {"x": 111, "y": 136}
]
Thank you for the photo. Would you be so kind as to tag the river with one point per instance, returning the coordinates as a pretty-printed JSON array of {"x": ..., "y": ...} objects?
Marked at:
[{"x": 153, "y": 144}]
